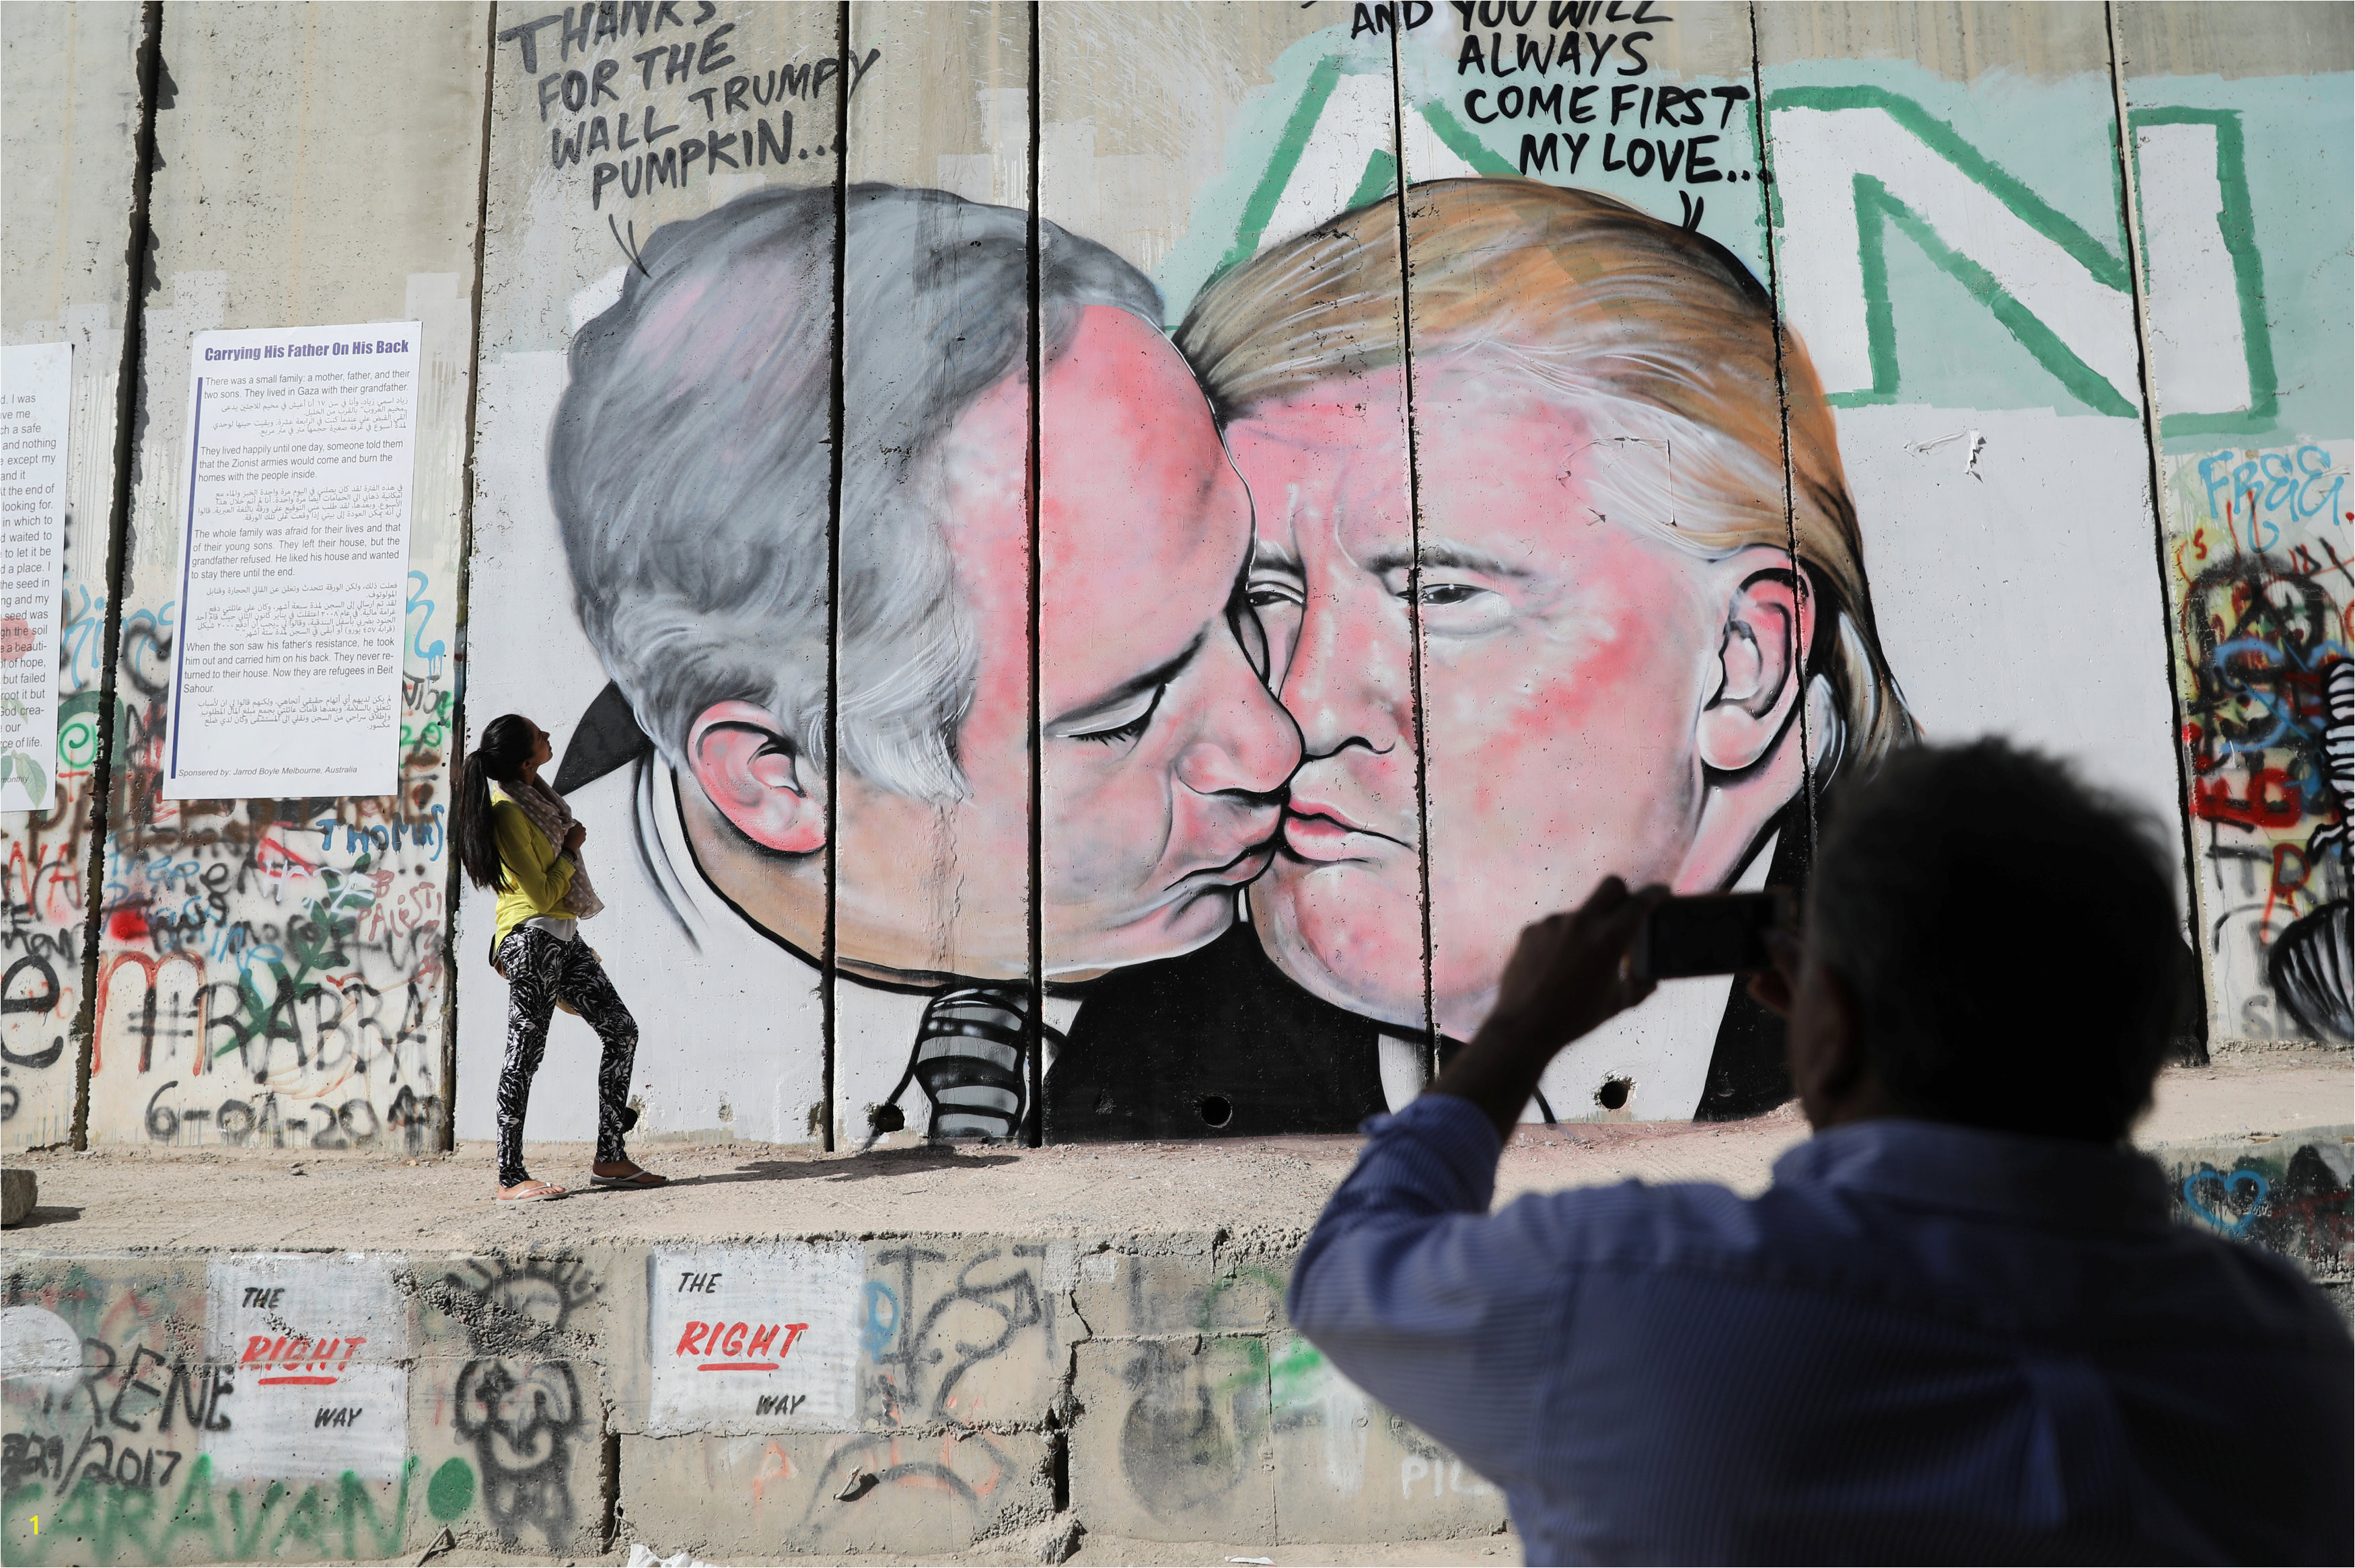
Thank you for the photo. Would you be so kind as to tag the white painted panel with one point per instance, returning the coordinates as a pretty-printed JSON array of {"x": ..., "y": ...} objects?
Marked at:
[
  {"x": 729, "y": 1019},
  {"x": 2017, "y": 584},
  {"x": 2197, "y": 346},
  {"x": 320, "y": 1347},
  {"x": 35, "y": 403},
  {"x": 755, "y": 1339},
  {"x": 1818, "y": 153}
]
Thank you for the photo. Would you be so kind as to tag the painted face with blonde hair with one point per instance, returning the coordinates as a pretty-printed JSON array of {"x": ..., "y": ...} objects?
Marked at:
[{"x": 1616, "y": 644}]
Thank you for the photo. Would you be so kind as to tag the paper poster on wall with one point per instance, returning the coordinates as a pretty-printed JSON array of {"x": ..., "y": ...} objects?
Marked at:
[
  {"x": 294, "y": 556},
  {"x": 35, "y": 393},
  {"x": 755, "y": 1339}
]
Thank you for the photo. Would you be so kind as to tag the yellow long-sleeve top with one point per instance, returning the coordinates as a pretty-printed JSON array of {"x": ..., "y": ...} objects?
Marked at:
[{"x": 538, "y": 876}]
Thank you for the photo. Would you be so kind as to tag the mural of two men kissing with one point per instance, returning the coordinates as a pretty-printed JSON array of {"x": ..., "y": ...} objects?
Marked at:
[{"x": 1302, "y": 715}]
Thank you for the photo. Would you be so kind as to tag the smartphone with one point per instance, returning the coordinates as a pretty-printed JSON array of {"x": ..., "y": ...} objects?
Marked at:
[{"x": 1709, "y": 934}]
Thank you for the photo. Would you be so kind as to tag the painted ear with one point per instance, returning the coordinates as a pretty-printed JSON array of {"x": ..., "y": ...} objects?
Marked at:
[
  {"x": 1769, "y": 620},
  {"x": 752, "y": 773}
]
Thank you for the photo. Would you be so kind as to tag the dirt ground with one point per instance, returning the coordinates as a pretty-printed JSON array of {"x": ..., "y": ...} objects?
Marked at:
[
  {"x": 1466, "y": 1552},
  {"x": 127, "y": 1198}
]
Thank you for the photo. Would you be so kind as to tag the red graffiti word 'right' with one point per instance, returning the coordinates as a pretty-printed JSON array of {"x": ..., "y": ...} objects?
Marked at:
[
  {"x": 734, "y": 1340},
  {"x": 306, "y": 1360}
]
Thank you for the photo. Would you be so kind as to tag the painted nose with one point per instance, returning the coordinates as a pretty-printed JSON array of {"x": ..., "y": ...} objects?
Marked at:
[
  {"x": 1350, "y": 682},
  {"x": 1246, "y": 744}
]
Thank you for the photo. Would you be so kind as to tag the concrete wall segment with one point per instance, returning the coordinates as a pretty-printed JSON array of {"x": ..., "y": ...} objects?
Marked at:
[
  {"x": 1977, "y": 338},
  {"x": 561, "y": 236},
  {"x": 71, "y": 136},
  {"x": 1975, "y": 334},
  {"x": 937, "y": 887},
  {"x": 273, "y": 969},
  {"x": 1141, "y": 1383},
  {"x": 2255, "y": 503}
]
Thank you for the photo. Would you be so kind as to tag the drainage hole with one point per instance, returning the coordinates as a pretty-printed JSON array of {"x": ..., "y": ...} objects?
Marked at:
[
  {"x": 1217, "y": 1110},
  {"x": 1613, "y": 1092}
]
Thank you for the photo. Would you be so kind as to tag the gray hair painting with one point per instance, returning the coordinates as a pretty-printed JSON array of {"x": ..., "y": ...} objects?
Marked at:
[{"x": 689, "y": 466}]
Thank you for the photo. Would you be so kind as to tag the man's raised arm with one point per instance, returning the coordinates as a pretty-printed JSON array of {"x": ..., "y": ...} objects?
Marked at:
[{"x": 1445, "y": 1313}]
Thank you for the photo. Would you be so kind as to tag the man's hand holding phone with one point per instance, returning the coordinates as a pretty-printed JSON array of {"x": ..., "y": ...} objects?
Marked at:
[
  {"x": 1568, "y": 973},
  {"x": 1571, "y": 971}
]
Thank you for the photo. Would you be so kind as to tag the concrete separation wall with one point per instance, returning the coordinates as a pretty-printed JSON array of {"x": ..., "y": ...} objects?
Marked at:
[
  {"x": 71, "y": 140},
  {"x": 909, "y": 1394},
  {"x": 2071, "y": 288},
  {"x": 829, "y": 1391}
]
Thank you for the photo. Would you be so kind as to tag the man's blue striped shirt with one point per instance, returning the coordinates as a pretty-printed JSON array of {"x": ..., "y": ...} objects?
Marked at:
[{"x": 1924, "y": 1342}]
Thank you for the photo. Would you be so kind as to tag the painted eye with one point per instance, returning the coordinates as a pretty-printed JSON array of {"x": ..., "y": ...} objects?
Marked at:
[
  {"x": 1451, "y": 607},
  {"x": 1121, "y": 725}
]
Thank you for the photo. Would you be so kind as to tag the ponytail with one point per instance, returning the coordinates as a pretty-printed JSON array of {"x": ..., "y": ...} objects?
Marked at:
[{"x": 505, "y": 748}]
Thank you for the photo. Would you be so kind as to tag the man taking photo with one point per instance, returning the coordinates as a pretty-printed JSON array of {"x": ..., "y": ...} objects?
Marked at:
[{"x": 1960, "y": 1326}]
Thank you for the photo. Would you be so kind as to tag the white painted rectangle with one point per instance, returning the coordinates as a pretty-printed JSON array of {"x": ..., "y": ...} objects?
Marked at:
[
  {"x": 36, "y": 397},
  {"x": 755, "y": 1339},
  {"x": 305, "y": 1334},
  {"x": 2197, "y": 353},
  {"x": 295, "y": 556}
]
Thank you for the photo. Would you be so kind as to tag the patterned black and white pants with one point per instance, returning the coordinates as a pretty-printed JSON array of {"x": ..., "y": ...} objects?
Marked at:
[{"x": 540, "y": 971}]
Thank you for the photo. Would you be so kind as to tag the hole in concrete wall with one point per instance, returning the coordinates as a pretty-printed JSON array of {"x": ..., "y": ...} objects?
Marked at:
[
  {"x": 1612, "y": 1094},
  {"x": 611, "y": 1484},
  {"x": 1217, "y": 1109},
  {"x": 885, "y": 1118}
]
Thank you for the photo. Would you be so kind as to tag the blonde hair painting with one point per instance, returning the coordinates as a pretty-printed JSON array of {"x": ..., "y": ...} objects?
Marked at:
[{"x": 1595, "y": 302}]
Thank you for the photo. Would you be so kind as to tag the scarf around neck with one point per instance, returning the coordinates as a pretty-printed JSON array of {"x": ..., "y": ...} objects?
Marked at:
[{"x": 548, "y": 812}]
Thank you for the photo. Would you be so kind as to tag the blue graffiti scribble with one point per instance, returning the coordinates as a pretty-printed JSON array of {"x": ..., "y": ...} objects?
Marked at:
[
  {"x": 2228, "y": 1181},
  {"x": 85, "y": 637},
  {"x": 882, "y": 1318},
  {"x": 417, "y": 601},
  {"x": 2270, "y": 482}
]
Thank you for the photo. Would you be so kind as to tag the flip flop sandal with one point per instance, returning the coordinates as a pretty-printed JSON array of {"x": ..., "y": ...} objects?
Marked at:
[
  {"x": 638, "y": 1178},
  {"x": 536, "y": 1191}
]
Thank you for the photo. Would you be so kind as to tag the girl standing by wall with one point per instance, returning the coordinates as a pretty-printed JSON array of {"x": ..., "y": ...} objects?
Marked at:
[{"x": 516, "y": 836}]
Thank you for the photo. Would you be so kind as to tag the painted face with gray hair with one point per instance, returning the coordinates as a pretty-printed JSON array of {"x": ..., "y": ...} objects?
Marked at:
[{"x": 692, "y": 476}]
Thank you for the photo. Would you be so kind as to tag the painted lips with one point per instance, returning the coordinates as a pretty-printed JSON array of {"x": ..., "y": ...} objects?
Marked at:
[
  {"x": 1243, "y": 868},
  {"x": 1315, "y": 831}
]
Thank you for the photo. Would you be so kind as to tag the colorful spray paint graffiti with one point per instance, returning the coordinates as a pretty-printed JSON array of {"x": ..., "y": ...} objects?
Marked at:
[
  {"x": 136, "y": 1437},
  {"x": 271, "y": 972},
  {"x": 249, "y": 1407},
  {"x": 44, "y": 860},
  {"x": 2263, "y": 584}
]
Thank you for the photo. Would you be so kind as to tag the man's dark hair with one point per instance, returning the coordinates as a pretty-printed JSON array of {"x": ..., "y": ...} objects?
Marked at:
[{"x": 2009, "y": 935}]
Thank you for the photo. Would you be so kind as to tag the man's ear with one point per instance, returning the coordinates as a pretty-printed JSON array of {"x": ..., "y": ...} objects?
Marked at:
[
  {"x": 1825, "y": 1038},
  {"x": 1770, "y": 620},
  {"x": 753, "y": 774}
]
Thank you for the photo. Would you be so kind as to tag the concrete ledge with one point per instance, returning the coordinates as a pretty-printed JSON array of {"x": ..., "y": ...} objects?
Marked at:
[{"x": 249, "y": 1357}]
